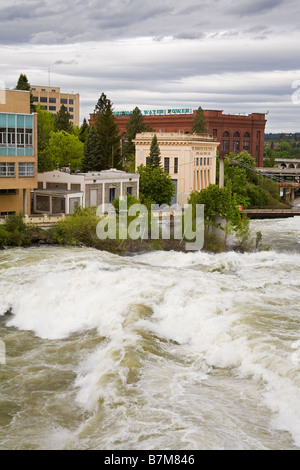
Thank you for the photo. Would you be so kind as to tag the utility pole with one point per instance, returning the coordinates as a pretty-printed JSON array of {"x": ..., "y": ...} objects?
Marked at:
[{"x": 221, "y": 172}]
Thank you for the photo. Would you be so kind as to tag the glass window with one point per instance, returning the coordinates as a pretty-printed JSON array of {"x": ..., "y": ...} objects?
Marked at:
[
  {"x": 63, "y": 101},
  {"x": 167, "y": 164},
  {"x": 7, "y": 169},
  {"x": 71, "y": 102},
  {"x": 246, "y": 145},
  {"x": 129, "y": 190},
  {"x": 236, "y": 146},
  {"x": 225, "y": 134},
  {"x": 236, "y": 134},
  {"x": 247, "y": 135},
  {"x": 52, "y": 100},
  {"x": 52, "y": 108},
  {"x": 35, "y": 98},
  {"x": 43, "y": 99},
  {"x": 175, "y": 165},
  {"x": 112, "y": 194},
  {"x": 71, "y": 110},
  {"x": 225, "y": 145},
  {"x": 26, "y": 169}
]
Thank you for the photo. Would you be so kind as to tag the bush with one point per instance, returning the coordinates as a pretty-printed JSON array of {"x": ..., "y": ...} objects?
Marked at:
[
  {"x": 80, "y": 227},
  {"x": 15, "y": 232}
]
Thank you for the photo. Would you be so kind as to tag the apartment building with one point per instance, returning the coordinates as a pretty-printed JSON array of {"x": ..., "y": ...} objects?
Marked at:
[
  {"x": 18, "y": 152},
  {"x": 51, "y": 98},
  {"x": 190, "y": 159}
]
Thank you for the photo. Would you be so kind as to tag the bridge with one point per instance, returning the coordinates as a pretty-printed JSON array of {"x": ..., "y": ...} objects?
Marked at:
[{"x": 287, "y": 162}]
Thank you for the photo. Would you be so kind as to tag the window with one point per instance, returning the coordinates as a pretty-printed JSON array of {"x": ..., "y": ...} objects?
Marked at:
[
  {"x": 225, "y": 134},
  {"x": 225, "y": 145},
  {"x": 197, "y": 161},
  {"x": 8, "y": 191},
  {"x": 236, "y": 135},
  {"x": 28, "y": 137},
  {"x": 236, "y": 145},
  {"x": 246, "y": 145},
  {"x": 43, "y": 89},
  {"x": 7, "y": 169},
  {"x": 52, "y": 100},
  {"x": 35, "y": 98},
  {"x": 71, "y": 110},
  {"x": 71, "y": 116},
  {"x": 2, "y": 136},
  {"x": 167, "y": 164},
  {"x": 26, "y": 169},
  {"x": 43, "y": 99},
  {"x": 129, "y": 190},
  {"x": 112, "y": 194},
  {"x": 52, "y": 108},
  {"x": 63, "y": 101},
  {"x": 176, "y": 165},
  {"x": 247, "y": 135},
  {"x": 71, "y": 102}
]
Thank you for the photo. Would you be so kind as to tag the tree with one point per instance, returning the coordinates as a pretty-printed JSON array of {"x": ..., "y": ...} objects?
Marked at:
[
  {"x": 45, "y": 126},
  {"x": 154, "y": 155},
  {"x": 134, "y": 125},
  {"x": 65, "y": 149},
  {"x": 62, "y": 120},
  {"x": 156, "y": 185},
  {"x": 199, "y": 122},
  {"x": 102, "y": 104},
  {"x": 108, "y": 136},
  {"x": 23, "y": 84},
  {"x": 84, "y": 131},
  {"x": 92, "y": 160}
]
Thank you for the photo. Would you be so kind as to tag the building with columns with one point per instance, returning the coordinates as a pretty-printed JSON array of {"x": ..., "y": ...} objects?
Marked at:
[
  {"x": 190, "y": 159},
  {"x": 60, "y": 192},
  {"x": 18, "y": 152}
]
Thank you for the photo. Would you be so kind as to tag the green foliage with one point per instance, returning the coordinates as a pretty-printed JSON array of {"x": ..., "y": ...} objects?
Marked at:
[
  {"x": 129, "y": 199},
  {"x": 92, "y": 160},
  {"x": 154, "y": 155},
  {"x": 109, "y": 140},
  {"x": 156, "y": 186},
  {"x": 62, "y": 121},
  {"x": 80, "y": 227},
  {"x": 84, "y": 131},
  {"x": 134, "y": 126},
  {"x": 199, "y": 123},
  {"x": 64, "y": 149},
  {"x": 14, "y": 232},
  {"x": 45, "y": 125}
]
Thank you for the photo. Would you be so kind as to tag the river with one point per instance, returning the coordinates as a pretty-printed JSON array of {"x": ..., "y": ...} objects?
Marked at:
[{"x": 163, "y": 350}]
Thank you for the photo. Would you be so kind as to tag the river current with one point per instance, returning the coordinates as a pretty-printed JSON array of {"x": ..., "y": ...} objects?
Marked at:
[{"x": 163, "y": 350}]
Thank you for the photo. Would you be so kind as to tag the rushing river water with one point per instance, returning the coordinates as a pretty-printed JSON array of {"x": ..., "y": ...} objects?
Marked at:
[{"x": 156, "y": 351}]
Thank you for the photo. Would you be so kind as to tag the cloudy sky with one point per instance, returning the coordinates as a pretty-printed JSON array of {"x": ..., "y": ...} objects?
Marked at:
[{"x": 237, "y": 56}]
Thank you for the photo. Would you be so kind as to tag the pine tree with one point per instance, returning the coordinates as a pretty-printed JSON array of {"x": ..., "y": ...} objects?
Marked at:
[
  {"x": 199, "y": 124},
  {"x": 102, "y": 104},
  {"x": 154, "y": 156},
  {"x": 109, "y": 140},
  {"x": 84, "y": 131},
  {"x": 62, "y": 120},
  {"x": 134, "y": 125},
  {"x": 92, "y": 160},
  {"x": 23, "y": 84}
]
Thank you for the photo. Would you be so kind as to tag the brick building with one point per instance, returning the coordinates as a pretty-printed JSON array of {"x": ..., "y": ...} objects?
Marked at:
[{"x": 234, "y": 132}]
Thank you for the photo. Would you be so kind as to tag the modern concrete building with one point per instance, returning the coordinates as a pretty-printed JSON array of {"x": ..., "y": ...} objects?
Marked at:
[
  {"x": 190, "y": 159},
  {"x": 18, "y": 152},
  {"x": 51, "y": 98},
  {"x": 60, "y": 192},
  {"x": 234, "y": 132}
]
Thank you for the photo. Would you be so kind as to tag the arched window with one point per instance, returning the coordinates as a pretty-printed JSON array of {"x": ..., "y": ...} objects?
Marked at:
[
  {"x": 247, "y": 135},
  {"x": 236, "y": 134},
  {"x": 225, "y": 134}
]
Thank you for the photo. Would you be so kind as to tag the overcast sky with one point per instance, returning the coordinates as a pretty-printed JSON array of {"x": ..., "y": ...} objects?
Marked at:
[{"x": 237, "y": 56}]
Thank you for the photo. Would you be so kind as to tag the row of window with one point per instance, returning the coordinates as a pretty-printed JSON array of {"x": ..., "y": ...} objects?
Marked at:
[
  {"x": 44, "y": 99},
  {"x": 202, "y": 161},
  {"x": 236, "y": 135},
  {"x": 235, "y": 146},
  {"x": 8, "y": 169},
  {"x": 12, "y": 137}
]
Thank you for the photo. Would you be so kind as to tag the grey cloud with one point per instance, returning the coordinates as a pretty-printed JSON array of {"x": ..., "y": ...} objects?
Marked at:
[{"x": 254, "y": 7}]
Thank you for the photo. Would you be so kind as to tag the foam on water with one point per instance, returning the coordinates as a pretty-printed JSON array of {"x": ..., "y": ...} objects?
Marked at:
[{"x": 172, "y": 327}]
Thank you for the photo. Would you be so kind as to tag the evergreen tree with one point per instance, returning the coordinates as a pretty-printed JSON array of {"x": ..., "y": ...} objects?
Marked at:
[
  {"x": 109, "y": 140},
  {"x": 84, "y": 131},
  {"x": 102, "y": 104},
  {"x": 134, "y": 125},
  {"x": 154, "y": 156},
  {"x": 62, "y": 120},
  {"x": 199, "y": 123},
  {"x": 92, "y": 160},
  {"x": 23, "y": 84}
]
